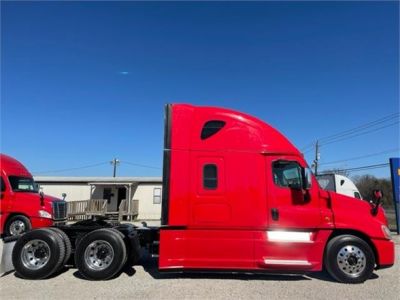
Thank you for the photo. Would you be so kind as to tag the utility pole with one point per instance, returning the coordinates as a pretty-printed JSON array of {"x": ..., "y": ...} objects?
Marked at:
[
  {"x": 317, "y": 157},
  {"x": 114, "y": 162}
]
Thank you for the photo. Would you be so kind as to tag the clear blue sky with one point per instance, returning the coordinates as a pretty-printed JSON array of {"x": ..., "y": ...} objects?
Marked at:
[{"x": 84, "y": 82}]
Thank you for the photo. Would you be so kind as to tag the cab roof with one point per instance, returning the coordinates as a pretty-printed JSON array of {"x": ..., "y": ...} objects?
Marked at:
[
  {"x": 237, "y": 132},
  {"x": 11, "y": 166}
]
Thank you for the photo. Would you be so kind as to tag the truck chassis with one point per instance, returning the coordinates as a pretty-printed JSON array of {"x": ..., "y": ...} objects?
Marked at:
[{"x": 98, "y": 248}]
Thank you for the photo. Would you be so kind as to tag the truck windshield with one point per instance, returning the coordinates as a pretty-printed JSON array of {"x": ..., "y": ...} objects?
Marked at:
[{"x": 23, "y": 184}]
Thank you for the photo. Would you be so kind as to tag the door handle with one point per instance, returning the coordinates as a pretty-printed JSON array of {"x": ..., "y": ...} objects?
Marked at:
[{"x": 275, "y": 214}]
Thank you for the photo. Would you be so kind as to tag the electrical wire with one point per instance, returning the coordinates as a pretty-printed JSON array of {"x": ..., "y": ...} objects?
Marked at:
[
  {"x": 358, "y": 134},
  {"x": 71, "y": 169},
  {"x": 140, "y": 165},
  {"x": 354, "y": 132},
  {"x": 360, "y": 127},
  {"x": 377, "y": 166},
  {"x": 359, "y": 157}
]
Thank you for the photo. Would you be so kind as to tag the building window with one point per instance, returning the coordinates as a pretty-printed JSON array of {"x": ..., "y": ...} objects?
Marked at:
[
  {"x": 211, "y": 128},
  {"x": 210, "y": 177},
  {"x": 157, "y": 196}
]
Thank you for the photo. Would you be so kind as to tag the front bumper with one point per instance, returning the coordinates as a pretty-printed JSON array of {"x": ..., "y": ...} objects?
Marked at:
[{"x": 385, "y": 252}]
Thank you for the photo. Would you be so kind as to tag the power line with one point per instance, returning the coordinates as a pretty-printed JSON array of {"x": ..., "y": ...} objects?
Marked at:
[
  {"x": 71, "y": 169},
  {"x": 354, "y": 132},
  {"x": 361, "y": 127},
  {"x": 140, "y": 165},
  {"x": 377, "y": 166},
  {"x": 360, "y": 157},
  {"x": 358, "y": 134}
]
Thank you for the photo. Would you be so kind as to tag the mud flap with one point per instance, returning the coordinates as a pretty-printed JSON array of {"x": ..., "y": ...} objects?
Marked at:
[{"x": 6, "y": 248}]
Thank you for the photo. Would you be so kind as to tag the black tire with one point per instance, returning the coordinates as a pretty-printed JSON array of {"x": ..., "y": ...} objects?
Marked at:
[
  {"x": 12, "y": 227},
  {"x": 349, "y": 259},
  {"x": 31, "y": 250},
  {"x": 100, "y": 254},
  {"x": 123, "y": 238},
  {"x": 67, "y": 244}
]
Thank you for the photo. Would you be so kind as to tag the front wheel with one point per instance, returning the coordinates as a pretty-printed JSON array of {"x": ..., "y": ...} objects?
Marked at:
[
  {"x": 17, "y": 225},
  {"x": 349, "y": 259}
]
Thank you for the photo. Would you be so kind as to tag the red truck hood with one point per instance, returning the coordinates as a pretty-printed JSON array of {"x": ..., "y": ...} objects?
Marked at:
[
  {"x": 35, "y": 197},
  {"x": 352, "y": 213}
]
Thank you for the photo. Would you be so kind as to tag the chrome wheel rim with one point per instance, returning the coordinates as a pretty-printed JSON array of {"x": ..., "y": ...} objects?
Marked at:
[
  {"x": 35, "y": 254},
  {"x": 99, "y": 255},
  {"x": 351, "y": 260},
  {"x": 17, "y": 227}
]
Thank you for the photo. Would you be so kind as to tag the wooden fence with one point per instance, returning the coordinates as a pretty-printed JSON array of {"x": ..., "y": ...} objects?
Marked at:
[{"x": 85, "y": 209}]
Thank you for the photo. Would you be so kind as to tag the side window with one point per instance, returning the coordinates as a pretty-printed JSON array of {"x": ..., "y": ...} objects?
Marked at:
[
  {"x": 210, "y": 128},
  {"x": 157, "y": 196},
  {"x": 357, "y": 195},
  {"x": 287, "y": 174},
  {"x": 3, "y": 185},
  {"x": 210, "y": 177}
]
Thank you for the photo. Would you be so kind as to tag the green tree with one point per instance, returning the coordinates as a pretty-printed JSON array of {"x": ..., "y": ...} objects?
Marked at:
[{"x": 367, "y": 183}]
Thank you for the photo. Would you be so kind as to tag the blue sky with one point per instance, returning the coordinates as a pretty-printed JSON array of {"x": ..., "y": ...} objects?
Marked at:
[{"x": 84, "y": 82}]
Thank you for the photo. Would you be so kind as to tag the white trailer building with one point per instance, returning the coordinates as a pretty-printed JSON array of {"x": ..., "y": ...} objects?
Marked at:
[{"x": 143, "y": 193}]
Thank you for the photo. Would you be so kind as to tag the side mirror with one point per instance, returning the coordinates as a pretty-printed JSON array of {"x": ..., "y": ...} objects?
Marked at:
[
  {"x": 64, "y": 195},
  {"x": 377, "y": 200},
  {"x": 306, "y": 178},
  {"x": 41, "y": 198}
]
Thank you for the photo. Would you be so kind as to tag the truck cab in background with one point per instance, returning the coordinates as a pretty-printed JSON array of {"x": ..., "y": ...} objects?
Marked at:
[
  {"x": 339, "y": 184},
  {"x": 23, "y": 207}
]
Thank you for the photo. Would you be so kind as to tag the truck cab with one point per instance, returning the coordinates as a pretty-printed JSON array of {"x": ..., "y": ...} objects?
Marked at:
[
  {"x": 23, "y": 207},
  {"x": 238, "y": 195},
  {"x": 339, "y": 184}
]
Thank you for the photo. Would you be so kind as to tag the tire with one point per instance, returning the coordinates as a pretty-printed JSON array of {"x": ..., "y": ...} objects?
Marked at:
[
  {"x": 67, "y": 244},
  {"x": 17, "y": 225},
  {"x": 349, "y": 259},
  {"x": 100, "y": 254},
  {"x": 123, "y": 238},
  {"x": 38, "y": 254}
]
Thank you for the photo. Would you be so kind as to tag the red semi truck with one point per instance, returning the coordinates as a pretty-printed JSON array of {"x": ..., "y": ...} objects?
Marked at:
[
  {"x": 22, "y": 206},
  {"x": 237, "y": 196}
]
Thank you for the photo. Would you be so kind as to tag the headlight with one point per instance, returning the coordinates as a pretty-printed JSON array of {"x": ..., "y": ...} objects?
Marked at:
[
  {"x": 44, "y": 214},
  {"x": 386, "y": 232}
]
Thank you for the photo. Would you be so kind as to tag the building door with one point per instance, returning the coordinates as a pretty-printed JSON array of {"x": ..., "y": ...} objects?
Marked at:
[
  {"x": 121, "y": 195},
  {"x": 108, "y": 195}
]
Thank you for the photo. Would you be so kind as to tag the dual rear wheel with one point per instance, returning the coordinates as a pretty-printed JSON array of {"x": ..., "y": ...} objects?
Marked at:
[{"x": 99, "y": 255}]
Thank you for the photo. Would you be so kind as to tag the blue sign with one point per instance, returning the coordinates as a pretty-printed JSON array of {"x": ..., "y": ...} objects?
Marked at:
[{"x": 395, "y": 171}]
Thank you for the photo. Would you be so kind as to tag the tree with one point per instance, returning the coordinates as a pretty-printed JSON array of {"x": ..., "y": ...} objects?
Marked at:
[{"x": 367, "y": 183}]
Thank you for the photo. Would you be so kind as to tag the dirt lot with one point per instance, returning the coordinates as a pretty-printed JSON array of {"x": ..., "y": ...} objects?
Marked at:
[{"x": 144, "y": 282}]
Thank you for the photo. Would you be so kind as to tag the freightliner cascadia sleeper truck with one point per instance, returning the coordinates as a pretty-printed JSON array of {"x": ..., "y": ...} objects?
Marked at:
[{"x": 237, "y": 196}]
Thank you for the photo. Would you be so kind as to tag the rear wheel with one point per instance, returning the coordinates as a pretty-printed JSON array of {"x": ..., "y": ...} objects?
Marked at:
[
  {"x": 38, "y": 254},
  {"x": 17, "y": 225},
  {"x": 67, "y": 244},
  {"x": 100, "y": 254},
  {"x": 349, "y": 259}
]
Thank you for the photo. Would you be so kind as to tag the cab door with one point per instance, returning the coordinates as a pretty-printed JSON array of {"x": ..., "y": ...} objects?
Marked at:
[
  {"x": 294, "y": 216},
  {"x": 291, "y": 205}
]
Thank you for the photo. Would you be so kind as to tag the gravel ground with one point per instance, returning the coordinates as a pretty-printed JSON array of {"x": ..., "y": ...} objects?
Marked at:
[{"x": 144, "y": 282}]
